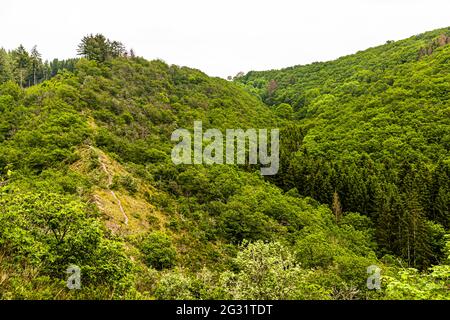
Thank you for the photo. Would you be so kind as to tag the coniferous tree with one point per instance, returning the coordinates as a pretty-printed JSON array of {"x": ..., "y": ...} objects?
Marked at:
[
  {"x": 413, "y": 235},
  {"x": 99, "y": 48},
  {"x": 94, "y": 48},
  {"x": 388, "y": 210},
  {"x": 440, "y": 195},
  {"x": 21, "y": 63},
  {"x": 6, "y": 66},
  {"x": 291, "y": 140},
  {"x": 117, "y": 49},
  {"x": 36, "y": 63}
]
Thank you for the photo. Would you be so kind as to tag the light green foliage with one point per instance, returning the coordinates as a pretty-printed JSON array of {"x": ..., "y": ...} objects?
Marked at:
[
  {"x": 266, "y": 271},
  {"x": 370, "y": 131},
  {"x": 174, "y": 286},
  {"x": 410, "y": 284},
  {"x": 47, "y": 232},
  {"x": 158, "y": 251},
  {"x": 284, "y": 111},
  {"x": 373, "y": 128},
  {"x": 269, "y": 271}
]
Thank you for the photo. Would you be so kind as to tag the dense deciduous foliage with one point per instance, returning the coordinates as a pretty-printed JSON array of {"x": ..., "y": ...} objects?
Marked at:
[
  {"x": 372, "y": 129},
  {"x": 364, "y": 178}
]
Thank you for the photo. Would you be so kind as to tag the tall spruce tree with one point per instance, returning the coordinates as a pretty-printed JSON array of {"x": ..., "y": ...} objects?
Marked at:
[
  {"x": 99, "y": 48},
  {"x": 21, "y": 63},
  {"x": 36, "y": 63}
]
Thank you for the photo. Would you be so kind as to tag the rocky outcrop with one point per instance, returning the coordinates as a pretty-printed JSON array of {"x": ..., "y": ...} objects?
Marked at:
[{"x": 440, "y": 41}]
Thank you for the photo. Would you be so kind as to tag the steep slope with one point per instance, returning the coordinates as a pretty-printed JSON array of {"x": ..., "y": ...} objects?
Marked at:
[
  {"x": 86, "y": 179},
  {"x": 375, "y": 135},
  {"x": 356, "y": 102}
]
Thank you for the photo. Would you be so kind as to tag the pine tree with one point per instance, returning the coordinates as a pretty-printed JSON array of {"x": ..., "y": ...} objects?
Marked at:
[
  {"x": 117, "y": 49},
  {"x": 94, "y": 47},
  {"x": 291, "y": 140},
  {"x": 6, "y": 66},
  {"x": 36, "y": 63},
  {"x": 21, "y": 63},
  {"x": 388, "y": 212},
  {"x": 415, "y": 237},
  {"x": 99, "y": 48},
  {"x": 413, "y": 229},
  {"x": 440, "y": 195}
]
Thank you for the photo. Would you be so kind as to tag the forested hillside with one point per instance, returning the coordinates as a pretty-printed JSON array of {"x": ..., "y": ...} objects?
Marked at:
[
  {"x": 375, "y": 135},
  {"x": 86, "y": 178},
  {"x": 27, "y": 68}
]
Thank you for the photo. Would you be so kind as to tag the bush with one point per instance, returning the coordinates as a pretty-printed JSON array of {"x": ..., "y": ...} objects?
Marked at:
[
  {"x": 268, "y": 271},
  {"x": 174, "y": 286},
  {"x": 127, "y": 182},
  {"x": 159, "y": 251}
]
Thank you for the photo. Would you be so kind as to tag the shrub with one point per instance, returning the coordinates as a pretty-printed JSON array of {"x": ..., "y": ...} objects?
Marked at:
[{"x": 159, "y": 251}]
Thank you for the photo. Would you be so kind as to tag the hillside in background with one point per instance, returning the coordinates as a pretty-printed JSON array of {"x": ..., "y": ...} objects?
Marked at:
[
  {"x": 375, "y": 133},
  {"x": 86, "y": 178}
]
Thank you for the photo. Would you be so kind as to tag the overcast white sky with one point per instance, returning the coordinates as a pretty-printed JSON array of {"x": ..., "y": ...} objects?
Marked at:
[{"x": 222, "y": 37}]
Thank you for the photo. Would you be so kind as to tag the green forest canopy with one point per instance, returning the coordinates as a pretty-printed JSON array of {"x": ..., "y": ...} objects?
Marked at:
[{"x": 364, "y": 177}]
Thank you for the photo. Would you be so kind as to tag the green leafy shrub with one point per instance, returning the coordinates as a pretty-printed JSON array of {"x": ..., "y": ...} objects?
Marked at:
[{"x": 158, "y": 251}]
